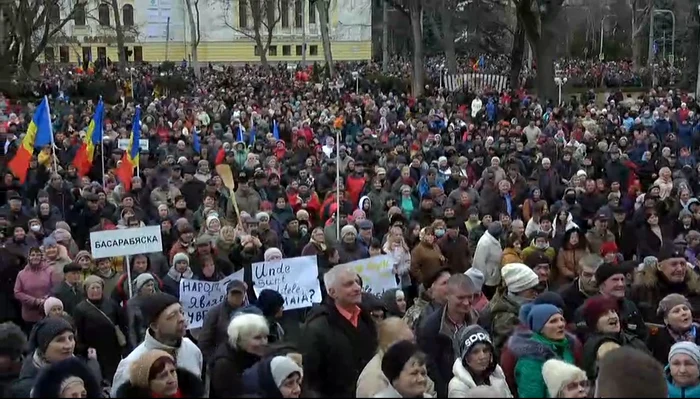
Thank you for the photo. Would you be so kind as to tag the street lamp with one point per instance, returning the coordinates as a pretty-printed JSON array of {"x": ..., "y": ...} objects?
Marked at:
[{"x": 560, "y": 82}]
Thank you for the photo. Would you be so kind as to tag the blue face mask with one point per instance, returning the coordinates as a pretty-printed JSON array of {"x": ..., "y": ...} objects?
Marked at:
[{"x": 439, "y": 232}]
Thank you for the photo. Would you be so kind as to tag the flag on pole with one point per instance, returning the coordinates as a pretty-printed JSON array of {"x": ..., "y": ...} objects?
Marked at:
[
  {"x": 275, "y": 130},
  {"x": 130, "y": 160},
  {"x": 196, "y": 144},
  {"x": 39, "y": 134},
  {"x": 86, "y": 153}
]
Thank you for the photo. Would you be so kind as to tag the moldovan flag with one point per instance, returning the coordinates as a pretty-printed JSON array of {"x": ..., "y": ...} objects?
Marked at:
[
  {"x": 86, "y": 152},
  {"x": 39, "y": 133},
  {"x": 130, "y": 160}
]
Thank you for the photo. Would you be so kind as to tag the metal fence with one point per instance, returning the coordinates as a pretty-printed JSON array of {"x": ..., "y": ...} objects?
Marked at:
[{"x": 477, "y": 82}]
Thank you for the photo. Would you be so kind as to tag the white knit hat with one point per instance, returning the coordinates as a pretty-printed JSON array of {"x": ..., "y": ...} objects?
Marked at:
[
  {"x": 519, "y": 277},
  {"x": 557, "y": 374}
]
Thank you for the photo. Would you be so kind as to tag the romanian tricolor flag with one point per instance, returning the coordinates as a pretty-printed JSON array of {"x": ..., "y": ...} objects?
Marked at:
[
  {"x": 39, "y": 133},
  {"x": 130, "y": 160},
  {"x": 86, "y": 153}
]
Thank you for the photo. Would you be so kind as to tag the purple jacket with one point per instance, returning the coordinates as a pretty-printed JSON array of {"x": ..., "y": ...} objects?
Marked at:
[{"x": 32, "y": 286}]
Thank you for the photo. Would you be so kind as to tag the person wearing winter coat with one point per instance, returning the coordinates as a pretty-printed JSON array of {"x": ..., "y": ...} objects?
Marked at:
[
  {"x": 477, "y": 365},
  {"x": 97, "y": 320},
  {"x": 166, "y": 331},
  {"x": 274, "y": 377},
  {"x": 455, "y": 248},
  {"x": 246, "y": 344},
  {"x": 396, "y": 246},
  {"x": 271, "y": 303},
  {"x": 404, "y": 366},
  {"x": 144, "y": 287},
  {"x": 487, "y": 258},
  {"x": 155, "y": 374},
  {"x": 573, "y": 249},
  {"x": 678, "y": 327},
  {"x": 70, "y": 290},
  {"x": 394, "y": 301},
  {"x": 565, "y": 380},
  {"x": 683, "y": 371},
  {"x": 69, "y": 378},
  {"x": 546, "y": 339},
  {"x": 426, "y": 258},
  {"x": 216, "y": 321},
  {"x": 179, "y": 270},
  {"x": 13, "y": 342},
  {"x": 108, "y": 273},
  {"x": 32, "y": 287}
]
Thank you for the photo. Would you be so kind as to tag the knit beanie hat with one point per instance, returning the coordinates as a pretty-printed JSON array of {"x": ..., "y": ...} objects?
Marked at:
[
  {"x": 686, "y": 348},
  {"x": 536, "y": 316},
  {"x": 269, "y": 302},
  {"x": 396, "y": 357},
  {"x": 210, "y": 219},
  {"x": 49, "y": 242},
  {"x": 594, "y": 308},
  {"x": 669, "y": 302},
  {"x": 155, "y": 305},
  {"x": 90, "y": 280},
  {"x": 348, "y": 229},
  {"x": 557, "y": 374},
  {"x": 46, "y": 330},
  {"x": 469, "y": 336},
  {"x": 272, "y": 253},
  {"x": 550, "y": 297},
  {"x": 518, "y": 277},
  {"x": 181, "y": 257},
  {"x": 608, "y": 247},
  {"x": 82, "y": 254},
  {"x": 140, "y": 369},
  {"x": 607, "y": 270},
  {"x": 142, "y": 280},
  {"x": 50, "y": 302},
  {"x": 282, "y": 367},
  {"x": 476, "y": 277}
]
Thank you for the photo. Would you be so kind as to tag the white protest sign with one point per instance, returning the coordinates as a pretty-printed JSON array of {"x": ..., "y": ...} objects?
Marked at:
[
  {"x": 124, "y": 242},
  {"x": 377, "y": 273},
  {"x": 296, "y": 279},
  {"x": 199, "y": 297},
  {"x": 123, "y": 144}
]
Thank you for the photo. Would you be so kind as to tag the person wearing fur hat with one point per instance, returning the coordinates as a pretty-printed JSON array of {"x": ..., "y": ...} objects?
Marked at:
[
  {"x": 476, "y": 365},
  {"x": 678, "y": 326},
  {"x": 246, "y": 344},
  {"x": 565, "y": 380},
  {"x": 70, "y": 378},
  {"x": 179, "y": 270},
  {"x": 274, "y": 377},
  {"x": 683, "y": 371},
  {"x": 155, "y": 374},
  {"x": 404, "y": 366},
  {"x": 546, "y": 338},
  {"x": 271, "y": 303},
  {"x": 166, "y": 331},
  {"x": 602, "y": 318}
]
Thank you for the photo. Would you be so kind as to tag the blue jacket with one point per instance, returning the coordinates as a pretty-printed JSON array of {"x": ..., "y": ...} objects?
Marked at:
[
  {"x": 685, "y": 135},
  {"x": 675, "y": 391},
  {"x": 662, "y": 127}
]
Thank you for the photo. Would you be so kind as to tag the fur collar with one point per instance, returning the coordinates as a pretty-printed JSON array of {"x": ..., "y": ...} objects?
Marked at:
[
  {"x": 649, "y": 278},
  {"x": 190, "y": 385}
]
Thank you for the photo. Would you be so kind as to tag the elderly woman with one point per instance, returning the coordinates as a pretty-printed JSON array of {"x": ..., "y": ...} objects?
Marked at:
[
  {"x": 679, "y": 326},
  {"x": 155, "y": 375},
  {"x": 426, "y": 258},
  {"x": 372, "y": 380},
  {"x": 664, "y": 182},
  {"x": 404, "y": 366},
  {"x": 683, "y": 371},
  {"x": 86, "y": 262},
  {"x": 275, "y": 377},
  {"x": 144, "y": 287},
  {"x": 32, "y": 286},
  {"x": 565, "y": 380},
  {"x": 247, "y": 343}
]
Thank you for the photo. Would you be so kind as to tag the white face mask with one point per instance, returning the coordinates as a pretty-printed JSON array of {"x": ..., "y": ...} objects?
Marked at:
[{"x": 35, "y": 227}]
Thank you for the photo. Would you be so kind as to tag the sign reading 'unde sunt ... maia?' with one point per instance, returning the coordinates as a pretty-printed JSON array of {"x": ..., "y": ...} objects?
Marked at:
[
  {"x": 124, "y": 242},
  {"x": 295, "y": 278}
]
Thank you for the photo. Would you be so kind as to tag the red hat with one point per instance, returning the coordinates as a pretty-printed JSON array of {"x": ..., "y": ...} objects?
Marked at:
[
  {"x": 596, "y": 307},
  {"x": 608, "y": 248}
]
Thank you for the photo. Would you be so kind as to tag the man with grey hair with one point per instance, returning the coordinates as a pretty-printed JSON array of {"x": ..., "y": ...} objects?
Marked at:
[
  {"x": 340, "y": 337},
  {"x": 583, "y": 286},
  {"x": 436, "y": 333}
]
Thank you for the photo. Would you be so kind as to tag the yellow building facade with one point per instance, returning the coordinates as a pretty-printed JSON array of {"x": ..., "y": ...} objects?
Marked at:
[{"x": 159, "y": 30}]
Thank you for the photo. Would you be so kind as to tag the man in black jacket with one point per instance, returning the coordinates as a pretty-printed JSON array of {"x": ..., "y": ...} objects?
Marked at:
[
  {"x": 69, "y": 291},
  {"x": 339, "y": 337},
  {"x": 584, "y": 286},
  {"x": 217, "y": 319}
]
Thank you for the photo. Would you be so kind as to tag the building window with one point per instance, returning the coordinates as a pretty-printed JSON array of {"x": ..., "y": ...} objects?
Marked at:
[
  {"x": 138, "y": 54},
  {"x": 49, "y": 55},
  {"x": 64, "y": 54},
  {"x": 79, "y": 15},
  {"x": 312, "y": 13},
  {"x": 287, "y": 50},
  {"x": 87, "y": 54},
  {"x": 284, "y": 11},
  {"x": 102, "y": 53},
  {"x": 313, "y": 50},
  {"x": 298, "y": 50},
  {"x": 298, "y": 15},
  {"x": 256, "y": 51},
  {"x": 55, "y": 14},
  {"x": 128, "y": 15},
  {"x": 103, "y": 13},
  {"x": 272, "y": 50},
  {"x": 243, "y": 13}
]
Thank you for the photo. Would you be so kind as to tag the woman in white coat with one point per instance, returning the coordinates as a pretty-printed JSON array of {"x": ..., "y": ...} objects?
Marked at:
[{"x": 476, "y": 365}]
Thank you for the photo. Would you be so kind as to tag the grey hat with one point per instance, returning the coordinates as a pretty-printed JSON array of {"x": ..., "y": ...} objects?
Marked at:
[
  {"x": 686, "y": 348},
  {"x": 476, "y": 276},
  {"x": 669, "y": 302},
  {"x": 46, "y": 330},
  {"x": 142, "y": 280},
  {"x": 495, "y": 229}
]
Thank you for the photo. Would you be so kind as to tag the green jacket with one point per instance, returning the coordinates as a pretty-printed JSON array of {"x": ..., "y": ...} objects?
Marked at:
[
  {"x": 501, "y": 318},
  {"x": 532, "y": 350}
]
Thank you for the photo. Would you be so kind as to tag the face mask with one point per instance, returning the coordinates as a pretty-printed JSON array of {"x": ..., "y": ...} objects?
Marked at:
[
  {"x": 35, "y": 227},
  {"x": 439, "y": 232},
  {"x": 542, "y": 246},
  {"x": 303, "y": 230}
]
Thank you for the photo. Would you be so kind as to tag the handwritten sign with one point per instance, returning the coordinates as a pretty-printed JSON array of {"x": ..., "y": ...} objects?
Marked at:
[
  {"x": 199, "y": 297},
  {"x": 377, "y": 273},
  {"x": 295, "y": 278}
]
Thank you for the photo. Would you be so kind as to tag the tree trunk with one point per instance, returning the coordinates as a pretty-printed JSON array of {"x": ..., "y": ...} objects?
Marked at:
[
  {"x": 121, "y": 50},
  {"x": 322, "y": 7},
  {"x": 448, "y": 37},
  {"x": 417, "y": 33},
  {"x": 194, "y": 39},
  {"x": 517, "y": 53},
  {"x": 385, "y": 37},
  {"x": 546, "y": 88}
]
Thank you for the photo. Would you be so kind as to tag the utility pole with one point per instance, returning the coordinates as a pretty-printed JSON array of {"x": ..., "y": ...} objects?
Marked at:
[
  {"x": 303, "y": 31},
  {"x": 167, "y": 38}
]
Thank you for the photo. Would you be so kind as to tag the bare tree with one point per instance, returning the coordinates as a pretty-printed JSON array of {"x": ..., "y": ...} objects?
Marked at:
[
  {"x": 121, "y": 48},
  {"x": 265, "y": 14},
  {"x": 641, "y": 9},
  {"x": 385, "y": 37},
  {"x": 195, "y": 32},
  {"x": 412, "y": 10},
  {"x": 323, "y": 14}
]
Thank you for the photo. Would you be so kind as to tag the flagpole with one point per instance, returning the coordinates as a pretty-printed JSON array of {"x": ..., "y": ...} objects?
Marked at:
[
  {"x": 102, "y": 147},
  {"x": 53, "y": 142},
  {"x": 337, "y": 184}
]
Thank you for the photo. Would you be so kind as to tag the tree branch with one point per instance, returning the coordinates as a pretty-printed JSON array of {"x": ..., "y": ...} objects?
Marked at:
[{"x": 400, "y": 8}]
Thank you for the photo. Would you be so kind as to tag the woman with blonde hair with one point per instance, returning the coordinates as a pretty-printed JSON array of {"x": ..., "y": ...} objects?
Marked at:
[
  {"x": 664, "y": 182},
  {"x": 372, "y": 380},
  {"x": 226, "y": 240},
  {"x": 396, "y": 246}
]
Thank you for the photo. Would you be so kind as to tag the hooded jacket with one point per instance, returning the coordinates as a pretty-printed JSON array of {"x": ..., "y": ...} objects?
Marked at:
[
  {"x": 32, "y": 286},
  {"x": 463, "y": 382}
]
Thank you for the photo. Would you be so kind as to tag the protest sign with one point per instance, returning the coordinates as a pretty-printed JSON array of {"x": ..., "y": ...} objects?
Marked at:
[
  {"x": 123, "y": 144},
  {"x": 296, "y": 279},
  {"x": 199, "y": 297},
  {"x": 377, "y": 273},
  {"x": 124, "y": 242}
]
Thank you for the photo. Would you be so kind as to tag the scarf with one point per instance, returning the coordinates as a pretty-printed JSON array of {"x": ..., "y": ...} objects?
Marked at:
[
  {"x": 175, "y": 275},
  {"x": 321, "y": 245},
  {"x": 688, "y": 336}
]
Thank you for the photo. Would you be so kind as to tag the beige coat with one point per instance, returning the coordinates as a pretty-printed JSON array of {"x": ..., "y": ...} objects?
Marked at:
[{"x": 372, "y": 380}]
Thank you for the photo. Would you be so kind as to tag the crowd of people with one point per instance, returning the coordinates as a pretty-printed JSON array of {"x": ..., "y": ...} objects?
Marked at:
[{"x": 539, "y": 251}]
